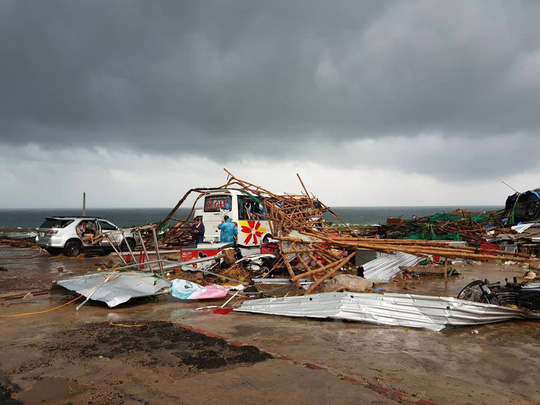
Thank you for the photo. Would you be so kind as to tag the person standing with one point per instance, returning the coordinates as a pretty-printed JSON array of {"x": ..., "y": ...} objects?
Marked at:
[
  {"x": 228, "y": 229},
  {"x": 197, "y": 230}
]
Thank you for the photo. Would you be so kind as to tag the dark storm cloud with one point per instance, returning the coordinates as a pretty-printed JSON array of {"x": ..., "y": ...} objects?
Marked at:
[{"x": 172, "y": 76}]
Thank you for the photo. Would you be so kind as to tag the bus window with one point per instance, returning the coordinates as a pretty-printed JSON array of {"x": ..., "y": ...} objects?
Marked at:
[
  {"x": 258, "y": 210},
  {"x": 217, "y": 202},
  {"x": 242, "y": 215},
  {"x": 249, "y": 209}
]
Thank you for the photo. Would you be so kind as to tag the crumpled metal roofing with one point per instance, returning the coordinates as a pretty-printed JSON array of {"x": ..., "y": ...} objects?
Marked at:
[
  {"x": 387, "y": 265},
  {"x": 407, "y": 310},
  {"x": 119, "y": 288}
]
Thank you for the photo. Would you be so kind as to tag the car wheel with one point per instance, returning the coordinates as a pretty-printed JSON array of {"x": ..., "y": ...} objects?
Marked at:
[
  {"x": 124, "y": 247},
  {"x": 53, "y": 251},
  {"x": 72, "y": 248}
]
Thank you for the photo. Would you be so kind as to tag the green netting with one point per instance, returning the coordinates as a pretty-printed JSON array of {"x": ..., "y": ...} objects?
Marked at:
[
  {"x": 445, "y": 217},
  {"x": 429, "y": 236}
]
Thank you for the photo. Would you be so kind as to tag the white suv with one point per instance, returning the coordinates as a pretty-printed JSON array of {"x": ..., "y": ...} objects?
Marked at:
[{"x": 59, "y": 235}]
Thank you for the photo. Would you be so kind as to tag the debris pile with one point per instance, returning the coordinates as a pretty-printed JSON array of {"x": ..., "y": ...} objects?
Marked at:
[
  {"x": 180, "y": 234},
  {"x": 523, "y": 238},
  {"x": 458, "y": 225},
  {"x": 462, "y": 225},
  {"x": 313, "y": 251},
  {"x": 312, "y": 247}
]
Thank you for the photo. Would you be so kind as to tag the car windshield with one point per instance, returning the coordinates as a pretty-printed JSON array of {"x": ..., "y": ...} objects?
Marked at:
[{"x": 55, "y": 223}]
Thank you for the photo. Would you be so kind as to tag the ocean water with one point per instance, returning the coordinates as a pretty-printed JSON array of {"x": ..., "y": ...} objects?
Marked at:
[{"x": 125, "y": 217}]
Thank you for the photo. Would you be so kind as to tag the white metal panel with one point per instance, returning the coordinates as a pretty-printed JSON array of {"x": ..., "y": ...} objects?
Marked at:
[
  {"x": 415, "y": 311},
  {"x": 119, "y": 288},
  {"x": 387, "y": 265}
]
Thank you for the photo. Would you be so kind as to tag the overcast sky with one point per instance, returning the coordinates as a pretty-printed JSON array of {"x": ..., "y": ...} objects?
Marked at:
[{"x": 372, "y": 102}]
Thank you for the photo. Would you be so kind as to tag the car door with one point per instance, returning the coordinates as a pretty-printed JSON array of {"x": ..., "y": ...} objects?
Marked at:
[{"x": 111, "y": 231}]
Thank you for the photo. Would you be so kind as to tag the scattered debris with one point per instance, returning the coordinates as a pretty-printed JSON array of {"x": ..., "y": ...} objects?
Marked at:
[
  {"x": 524, "y": 295},
  {"x": 186, "y": 290},
  {"x": 316, "y": 255},
  {"x": 458, "y": 225}
]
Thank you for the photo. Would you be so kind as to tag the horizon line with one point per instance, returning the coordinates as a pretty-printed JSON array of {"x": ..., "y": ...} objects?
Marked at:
[{"x": 331, "y": 206}]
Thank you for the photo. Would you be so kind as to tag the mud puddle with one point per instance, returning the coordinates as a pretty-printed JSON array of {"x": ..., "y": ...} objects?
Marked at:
[
  {"x": 51, "y": 390},
  {"x": 155, "y": 343}
]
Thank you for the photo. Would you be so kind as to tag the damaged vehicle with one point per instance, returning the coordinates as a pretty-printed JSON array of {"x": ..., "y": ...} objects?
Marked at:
[
  {"x": 525, "y": 295},
  {"x": 59, "y": 234}
]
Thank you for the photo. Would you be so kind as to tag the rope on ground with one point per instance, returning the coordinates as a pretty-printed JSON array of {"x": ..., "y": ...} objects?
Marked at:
[
  {"x": 24, "y": 295},
  {"x": 96, "y": 286},
  {"x": 44, "y": 311}
]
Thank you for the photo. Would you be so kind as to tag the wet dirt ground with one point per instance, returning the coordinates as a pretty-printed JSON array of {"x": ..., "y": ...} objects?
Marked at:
[{"x": 85, "y": 356}]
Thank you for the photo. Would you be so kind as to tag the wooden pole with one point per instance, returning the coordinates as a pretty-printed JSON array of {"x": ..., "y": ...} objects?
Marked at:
[
  {"x": 339, "y": 264},
  {"x": 84, "y": 204},
  {"x": 330, "y": 273},
  {"x": 157, "y": 252}
]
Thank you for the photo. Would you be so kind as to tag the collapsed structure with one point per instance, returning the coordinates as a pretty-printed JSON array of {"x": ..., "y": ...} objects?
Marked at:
[
  {"x": 501, "y": 227},
  {"x": 311, "y": 251},
  {"x": 311, "y": 247},
  {"x": 458, "y": 225}
]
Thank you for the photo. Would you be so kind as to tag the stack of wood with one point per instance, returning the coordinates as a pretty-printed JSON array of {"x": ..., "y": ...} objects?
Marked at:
[{"x": 312, "y": 247}]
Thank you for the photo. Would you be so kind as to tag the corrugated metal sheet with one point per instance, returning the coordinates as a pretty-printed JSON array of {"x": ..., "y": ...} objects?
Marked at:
[
  {"x": 387, "y": 265},
  {"x": 414, "y": 311},
  {"x": 119, "y": 288}
]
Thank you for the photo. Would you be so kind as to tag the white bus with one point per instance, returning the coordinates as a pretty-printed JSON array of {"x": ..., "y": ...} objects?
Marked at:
[{"x": 245, "y": 211}]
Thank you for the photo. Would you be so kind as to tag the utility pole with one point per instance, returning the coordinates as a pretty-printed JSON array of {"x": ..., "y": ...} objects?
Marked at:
[{"x": 84, "y": 204}]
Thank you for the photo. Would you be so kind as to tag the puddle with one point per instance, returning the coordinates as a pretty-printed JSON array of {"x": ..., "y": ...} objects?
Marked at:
[{"x": 50, "y": 390}]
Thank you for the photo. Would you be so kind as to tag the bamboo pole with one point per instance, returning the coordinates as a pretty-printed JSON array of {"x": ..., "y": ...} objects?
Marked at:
[
  {"x": 330, "y": 273},
  {"x": 328, "y": 266},
  {"x": 287, "y": 264}
]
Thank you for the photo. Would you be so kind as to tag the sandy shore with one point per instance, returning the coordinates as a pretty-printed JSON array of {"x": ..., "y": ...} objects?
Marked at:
[{"x": 78, "y": 357}]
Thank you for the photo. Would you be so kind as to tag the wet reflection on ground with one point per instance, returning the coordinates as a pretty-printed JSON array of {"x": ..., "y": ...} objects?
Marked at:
[{"x": 489, "y": 364}]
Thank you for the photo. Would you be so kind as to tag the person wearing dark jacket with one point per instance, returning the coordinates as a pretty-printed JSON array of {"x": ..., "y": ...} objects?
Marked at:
[{"x": 197, "y": 230}]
